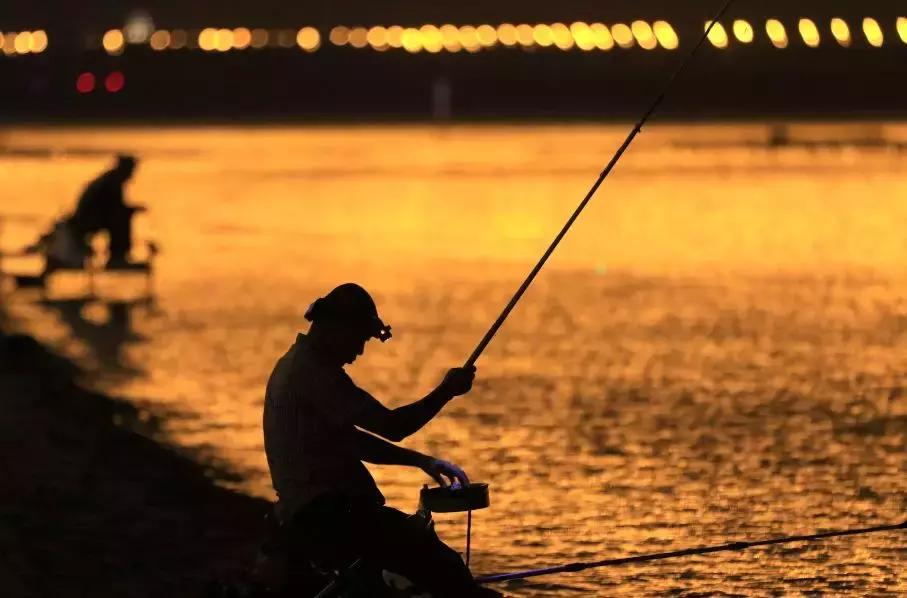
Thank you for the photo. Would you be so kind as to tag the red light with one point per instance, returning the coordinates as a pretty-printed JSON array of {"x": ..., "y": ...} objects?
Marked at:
[
  {"x": 85, "y": 83},
  {"x": 115, "y": 82}
]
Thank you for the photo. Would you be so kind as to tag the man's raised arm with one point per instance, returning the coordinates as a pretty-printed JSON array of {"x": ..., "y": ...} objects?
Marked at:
[{"x": 397, "y": 424}]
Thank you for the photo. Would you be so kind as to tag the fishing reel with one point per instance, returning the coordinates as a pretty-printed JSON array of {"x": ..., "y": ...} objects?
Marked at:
[{"x": 454, "y": 499}]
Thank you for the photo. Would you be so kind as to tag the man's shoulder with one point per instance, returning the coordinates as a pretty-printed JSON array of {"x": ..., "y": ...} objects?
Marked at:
[
  {"x": 100, "y": 184},
  {"x": 298, "y": 368}
]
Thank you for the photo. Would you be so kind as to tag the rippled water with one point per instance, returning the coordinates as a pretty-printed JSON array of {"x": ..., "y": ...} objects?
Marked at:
[{"x": 714, "y": 353}]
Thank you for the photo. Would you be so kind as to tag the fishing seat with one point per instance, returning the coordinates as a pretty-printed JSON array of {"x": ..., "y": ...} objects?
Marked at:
[
  {"x": 307, "y": 573},
  {"x": 299, "y": 574}
]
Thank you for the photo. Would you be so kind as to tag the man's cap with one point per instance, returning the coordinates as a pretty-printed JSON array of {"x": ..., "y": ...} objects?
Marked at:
[{"x": 352, "y": 304}]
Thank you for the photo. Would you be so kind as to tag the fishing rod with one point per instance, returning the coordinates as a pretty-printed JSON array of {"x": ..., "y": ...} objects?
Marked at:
[
  {"x": 733, "y": 546},
  {"x": 636, "y": 129}
]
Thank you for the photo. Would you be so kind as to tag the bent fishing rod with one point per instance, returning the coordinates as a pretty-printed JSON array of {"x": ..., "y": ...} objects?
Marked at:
[
  {"x": 660, "y": 556},
  {"x": 635, "y": 131}
]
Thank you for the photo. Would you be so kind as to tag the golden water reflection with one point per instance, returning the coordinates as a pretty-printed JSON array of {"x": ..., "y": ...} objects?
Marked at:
[{"x": 714, "y": 353}]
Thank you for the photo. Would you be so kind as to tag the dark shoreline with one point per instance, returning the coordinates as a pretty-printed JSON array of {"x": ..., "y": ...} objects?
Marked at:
[{"x": 92, "y": 506}]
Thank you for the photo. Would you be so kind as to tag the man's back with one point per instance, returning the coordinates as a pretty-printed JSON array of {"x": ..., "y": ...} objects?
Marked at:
[
  {"x": 310, "y": 438},
  {"x": 100, "y": 198}
]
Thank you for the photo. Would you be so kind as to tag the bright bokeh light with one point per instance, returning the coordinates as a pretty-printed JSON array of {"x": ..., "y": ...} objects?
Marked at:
[
  {"x": 358, "y": 37},
  {"x": 309, "y": 39},
  {"x": 450, "y": 38},
  {"x": 776, "y": 32},
  {"x": 224, "y": 40},
  {"x": 717, "y": 35},
  {"x": 644, "y": 35},
  {"x": 9, "y": 44},
  {"x": 841, "y": 31},
  {"x": 488, "y": 35},
  {"x": 23, "y": 43},
  {"x": 242, "y": 38},
  {"x": 339, "y": 36},
  {"x": 432, "y": 40},
  {"x": 85, "y": 83},
  {"x": 160, "y": 40},
  {"x": 665, "y": 35},
  {"x": 743, "y": 31},
  {"x": 377, "y": 37},
  {"x": 583, "y": 36},
  {"x": 563, "y": 39},
  {"x": 38, "y": 42},
  {"x": 543, "y": 36},
  {"x": 809, "y": 32},
  {"x": 602, "y": 35},
  {"x": 3, "y": 42},
  {"x": 873, "y": 32},
  {"x": 395, "y": 36},
  {"x": 507, "y": 34},
  {"x": 469, "y": 38},
  {"x": 139, "y": 27},
  {"x": 623, "y": 35},
  {"x": 525, "y": 34},
  {"x": 115, "y": 82},
  {"x": 260, "y": 38},
  {"x": 902, "y": 28},
  {"x": 207, "y": 39},
  {"x": 114, "y": 42},
  {"x": 412, "y": 40}
]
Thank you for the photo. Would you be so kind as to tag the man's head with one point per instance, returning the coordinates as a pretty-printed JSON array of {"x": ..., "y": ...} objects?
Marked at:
[
  {"x": 125, "y": 167},
  {"x": 344, "y": 320}
]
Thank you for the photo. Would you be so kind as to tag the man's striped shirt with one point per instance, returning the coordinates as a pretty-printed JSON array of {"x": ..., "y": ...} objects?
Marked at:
[{"x": 309, "y": 432}]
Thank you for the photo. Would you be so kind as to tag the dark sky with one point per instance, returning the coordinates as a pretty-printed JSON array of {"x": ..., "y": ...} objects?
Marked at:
[{"x": 103, "y": 14}]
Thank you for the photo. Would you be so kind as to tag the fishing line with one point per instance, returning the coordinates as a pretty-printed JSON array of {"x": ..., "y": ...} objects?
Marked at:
[
  {"x": 620, "y": 151},
  {"x": 645, "y": 558}
]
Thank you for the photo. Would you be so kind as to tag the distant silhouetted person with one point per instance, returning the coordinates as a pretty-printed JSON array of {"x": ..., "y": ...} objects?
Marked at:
[
  {"x": 328, "y": 503},
  {"x": 101, "y": 207}
]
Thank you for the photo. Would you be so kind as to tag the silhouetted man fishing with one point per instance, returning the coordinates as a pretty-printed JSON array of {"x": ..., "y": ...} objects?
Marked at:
[
  {"x": 101, "y": 207},
  {"x": 328, "y": 502}
]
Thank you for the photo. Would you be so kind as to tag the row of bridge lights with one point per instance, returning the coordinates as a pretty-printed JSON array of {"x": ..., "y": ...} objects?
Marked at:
[
  {"x": 25, "y": 42},
  {"x": 809, "y": 31},
  {"x": 585, "y": 36}
]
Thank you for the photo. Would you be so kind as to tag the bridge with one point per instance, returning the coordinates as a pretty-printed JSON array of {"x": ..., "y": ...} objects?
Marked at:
[{"x": 494, "y": 60}]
